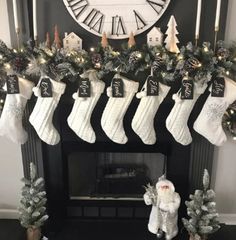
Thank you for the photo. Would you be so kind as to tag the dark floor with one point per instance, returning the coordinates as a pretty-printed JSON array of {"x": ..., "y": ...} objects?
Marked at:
[{"x": 82, "y": 230}]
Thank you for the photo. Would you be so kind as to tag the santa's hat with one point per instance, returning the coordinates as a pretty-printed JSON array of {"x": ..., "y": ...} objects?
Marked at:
[{"x": 165, "y": 182}]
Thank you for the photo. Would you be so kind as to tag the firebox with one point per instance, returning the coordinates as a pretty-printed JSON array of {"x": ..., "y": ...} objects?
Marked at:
[{"x": 117, "y": 176}]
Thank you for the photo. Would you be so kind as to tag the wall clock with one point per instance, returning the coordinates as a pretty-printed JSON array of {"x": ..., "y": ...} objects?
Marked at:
[{"x": 116, "y": 17}]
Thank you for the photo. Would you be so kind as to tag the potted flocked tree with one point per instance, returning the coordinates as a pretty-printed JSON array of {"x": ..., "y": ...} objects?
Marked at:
[
  {"x": 32, "y": 208},
  {"x": 202, "y": 212}
]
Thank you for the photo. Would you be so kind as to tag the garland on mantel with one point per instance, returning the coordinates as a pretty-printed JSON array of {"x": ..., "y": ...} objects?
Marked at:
[{"x": 197, "y": 62}]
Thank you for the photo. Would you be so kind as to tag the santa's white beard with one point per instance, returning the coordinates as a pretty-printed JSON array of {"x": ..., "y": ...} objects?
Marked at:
[{"x": 165, "y": 195}]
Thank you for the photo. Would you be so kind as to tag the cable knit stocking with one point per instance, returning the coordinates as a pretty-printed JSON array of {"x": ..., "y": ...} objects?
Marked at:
[
  {"x": 143, "y": 120},
  {"x": 79, "y": 118},
  {"x": 113, "y": 115},
  {"x": 42, "y": 115},
  {"x": 177, "y": 121},
  {"x": 209, "y": 122},
  {"x": 11, "y": 118}
]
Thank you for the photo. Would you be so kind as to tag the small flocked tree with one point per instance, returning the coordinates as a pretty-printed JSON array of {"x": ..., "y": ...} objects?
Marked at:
[
  {"x": 32, "y": 208},
  {"x": 171, "y": 39},
  {"x": 202, "y": 212}
]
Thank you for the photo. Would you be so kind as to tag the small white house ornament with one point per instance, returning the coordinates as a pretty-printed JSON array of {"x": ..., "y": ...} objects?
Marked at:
[
  {"x": 155, "y": 37},
  {"x": 72, "y": 41}
]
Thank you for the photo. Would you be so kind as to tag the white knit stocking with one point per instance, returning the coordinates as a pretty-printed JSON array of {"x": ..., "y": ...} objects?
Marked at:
[
  {"x": 113, "y": 115},
  {"x": 143, "y": 120},
  {"x": 177, "y": 121},
  {"x": 79, "y": 118},
  {"x": 11, "y": 118},
  {"x": 42, "y": 115},
  {"x": 209, "y": 122}
]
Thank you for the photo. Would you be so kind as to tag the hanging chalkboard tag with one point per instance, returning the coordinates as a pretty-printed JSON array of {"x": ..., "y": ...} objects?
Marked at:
[
  {"x": 12, "y": 84},
  {"x": 84, "y": 88},
  {"x": 46, "y": 88},
  {"x": 152, "y": 86},
  {"x": 187, "y": 89},
  {"x": 218, "y": 87},
  {"x": 117, "y": 88}
]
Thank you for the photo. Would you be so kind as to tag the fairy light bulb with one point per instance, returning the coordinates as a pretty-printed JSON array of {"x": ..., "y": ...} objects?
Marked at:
[
  {"x": 98, "y": 65},
  {"x": 234, "y": 138},
  {"x": 227, "y": 72},
  {"x": 43, "y": 60},
  {"x": 92, "y": 49},
  {"x": 1, "y": 56},
  {"x": 139, "y": 55},
  {"x": 205, "y": 49},
  {"x": 7, "y": 66}
]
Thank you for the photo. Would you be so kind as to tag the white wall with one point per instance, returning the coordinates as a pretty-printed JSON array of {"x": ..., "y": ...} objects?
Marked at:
[
  {"x": 4, "y": 29},
  {"x": 11, "y": 169},
  {"x": 224, "y": 167}
]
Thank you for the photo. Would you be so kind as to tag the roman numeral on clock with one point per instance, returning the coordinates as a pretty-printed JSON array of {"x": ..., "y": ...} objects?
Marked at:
[
  {"x": 94, "y": 20},
  {"x": 139, "y": 21},
  {"x": 118, "y": 26},
  {"x": 157, "y": 5},
  {"x": 78, "y": 6}
]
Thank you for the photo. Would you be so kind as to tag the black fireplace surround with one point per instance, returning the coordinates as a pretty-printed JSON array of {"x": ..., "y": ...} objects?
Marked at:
[{"x": 183, "y": 164}]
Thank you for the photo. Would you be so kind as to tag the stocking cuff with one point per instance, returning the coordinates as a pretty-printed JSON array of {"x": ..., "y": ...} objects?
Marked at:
[
  {"x": 230, "y": 90},
  {"x": 26, "y": 87},
  {"x": 129, "y": 85},
  {"x": 164, "y": 89},
  {"x": 58, "y": 87},
  {"x": 97, "y": 86}
]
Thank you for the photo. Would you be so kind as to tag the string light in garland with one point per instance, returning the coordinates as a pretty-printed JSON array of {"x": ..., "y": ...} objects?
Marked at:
[{"x": 7, "y": 66}]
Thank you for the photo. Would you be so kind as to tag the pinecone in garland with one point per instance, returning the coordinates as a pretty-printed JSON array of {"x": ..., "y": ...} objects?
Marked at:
[
  {"x": 158, "y": 64},
  {"x": 135, "y": 57},
  {"x": 19, "y": 64},
  {"x": 97, "y": 60},
  {"x": 191, "y": 64},
  {"x": 223, "y": 53}
]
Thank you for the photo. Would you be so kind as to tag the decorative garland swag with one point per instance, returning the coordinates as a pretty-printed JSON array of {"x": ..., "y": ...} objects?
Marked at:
[{"x": 48, "y": 66}]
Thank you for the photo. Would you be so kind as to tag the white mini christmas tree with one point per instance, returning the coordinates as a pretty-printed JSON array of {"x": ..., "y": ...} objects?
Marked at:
[
  {"x": 202, "y": 212},
  {"x": 32, "y": 208},
  {"x": 171, "y": 39}
]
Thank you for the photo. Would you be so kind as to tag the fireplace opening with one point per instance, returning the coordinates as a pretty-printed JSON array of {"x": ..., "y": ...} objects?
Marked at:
[{"x": 112, "y": 176}]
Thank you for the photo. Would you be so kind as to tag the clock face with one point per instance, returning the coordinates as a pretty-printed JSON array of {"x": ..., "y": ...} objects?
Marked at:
[{"x": 118, "y": 18}]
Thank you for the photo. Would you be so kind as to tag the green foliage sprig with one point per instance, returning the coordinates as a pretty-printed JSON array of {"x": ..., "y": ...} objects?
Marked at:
[{"x": 199, "y": 63}]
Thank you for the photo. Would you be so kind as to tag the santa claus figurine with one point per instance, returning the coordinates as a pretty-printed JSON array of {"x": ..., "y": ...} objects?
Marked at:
[{"x": 164, "y": 214}]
